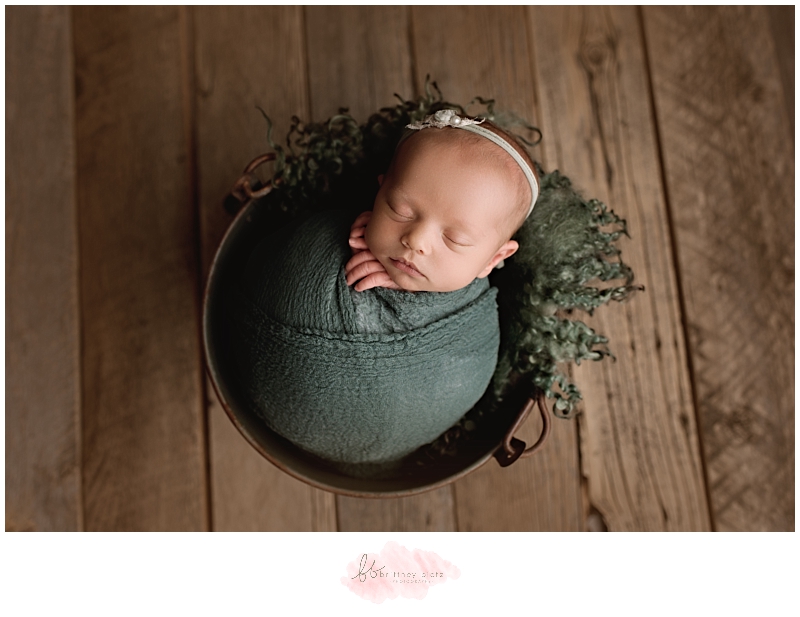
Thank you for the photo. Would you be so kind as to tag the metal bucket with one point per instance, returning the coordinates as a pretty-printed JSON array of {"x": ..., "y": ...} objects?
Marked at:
[{"x": 418, "y": 472}]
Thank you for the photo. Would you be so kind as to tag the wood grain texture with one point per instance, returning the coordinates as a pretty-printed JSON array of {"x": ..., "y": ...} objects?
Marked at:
[
  {"x": 250, "y": 494},
  {"x": 639, "y": 446},
  {"x": 729, "y": 169},
  {"x": 781, "y": 20},
  {"x": 144, "y": 449},
  {"x": 357, "y": 58},
  {"x": 487, "y": 52},
  {"x": 244, "y": 57},
  {"x": 541, "y": 493},
  {"x": 43, "y": 479},
  {"x": 431, "y": 511}
]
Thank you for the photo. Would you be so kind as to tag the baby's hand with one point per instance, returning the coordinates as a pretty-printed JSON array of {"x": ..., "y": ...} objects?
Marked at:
[
  {"x": 363, "y": 267},
  {"x": 368, "y": 271},
  {"x": 357, "y": 230}
]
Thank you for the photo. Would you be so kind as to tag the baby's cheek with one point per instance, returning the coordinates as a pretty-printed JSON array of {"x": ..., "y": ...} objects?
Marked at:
[
  {"x": 368, "y": 234},
  {"x": 374, "y": 236}
]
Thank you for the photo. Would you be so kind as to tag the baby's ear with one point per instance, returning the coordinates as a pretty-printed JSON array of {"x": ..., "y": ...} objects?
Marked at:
[
  {"x": 504, "y": 252},
  {"x": 380, "y": 179}
]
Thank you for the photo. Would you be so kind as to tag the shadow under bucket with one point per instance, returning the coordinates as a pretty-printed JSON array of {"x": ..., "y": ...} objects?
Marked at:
[{"x": 418, "y": 472}]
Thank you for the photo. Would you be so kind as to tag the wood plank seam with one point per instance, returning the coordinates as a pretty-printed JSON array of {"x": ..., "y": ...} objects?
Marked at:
[
  {"x": 676, "y": 262},
  {"x": 78, "y": 270},
  {"x": 593, "y": 518},
  {"x": 186, "y": 18},
  {"x": 306, "y": 63},
  {"x": 454, "y": 503},
  {"x": 412, "y": 50},
  {"x": 782, "y": 31},
  {"x": 590, "y": 72}
]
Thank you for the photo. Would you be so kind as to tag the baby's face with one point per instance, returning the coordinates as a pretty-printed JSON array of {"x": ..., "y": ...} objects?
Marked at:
[{"x": 440, "y": 219}]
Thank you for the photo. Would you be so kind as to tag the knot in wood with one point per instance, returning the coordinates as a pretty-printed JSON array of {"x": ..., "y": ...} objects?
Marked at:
[{"x": 596, "y": 54}]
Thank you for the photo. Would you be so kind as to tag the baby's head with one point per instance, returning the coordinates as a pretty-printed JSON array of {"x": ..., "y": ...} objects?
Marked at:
[{"x": 447, "y": 208}]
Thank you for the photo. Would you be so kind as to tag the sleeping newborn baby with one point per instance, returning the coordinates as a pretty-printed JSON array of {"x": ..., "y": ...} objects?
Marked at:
[
  {"x": 445, "y": 212},
  {"x": 362, "y": 341}
]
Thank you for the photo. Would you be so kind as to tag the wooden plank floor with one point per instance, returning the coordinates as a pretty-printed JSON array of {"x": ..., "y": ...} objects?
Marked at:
[{"x": 127, "y": 125}]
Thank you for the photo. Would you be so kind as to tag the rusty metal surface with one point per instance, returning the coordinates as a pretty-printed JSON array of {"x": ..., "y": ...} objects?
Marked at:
[{"x": 244, "y": 189}]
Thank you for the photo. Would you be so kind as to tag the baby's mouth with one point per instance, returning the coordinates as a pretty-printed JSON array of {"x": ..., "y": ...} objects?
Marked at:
[{"x": 406, "y": 267}]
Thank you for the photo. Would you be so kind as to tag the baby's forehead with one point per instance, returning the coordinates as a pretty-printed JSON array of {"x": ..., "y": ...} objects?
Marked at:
[
  {"x": 472, "y": 150},
  {"x": 462, "y": 146},
  {"x": 449, "y": 138},
  {"x": 459, "y": 146}
]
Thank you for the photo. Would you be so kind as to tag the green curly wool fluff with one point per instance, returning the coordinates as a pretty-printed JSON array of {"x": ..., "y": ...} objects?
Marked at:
[{"x": 566, "y": 244}]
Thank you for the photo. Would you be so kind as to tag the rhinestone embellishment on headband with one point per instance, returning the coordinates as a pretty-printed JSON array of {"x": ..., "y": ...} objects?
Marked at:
[{"x": 442, "y": 119}]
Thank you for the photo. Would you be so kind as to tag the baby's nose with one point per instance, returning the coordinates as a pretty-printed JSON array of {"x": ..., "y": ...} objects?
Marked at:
[{"x": 416, "y": 240}]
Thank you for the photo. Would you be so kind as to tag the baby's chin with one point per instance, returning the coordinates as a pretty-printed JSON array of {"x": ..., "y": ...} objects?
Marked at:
[
  {"x": 407, "y": 283},
  {"x": 415, "y": 285}
]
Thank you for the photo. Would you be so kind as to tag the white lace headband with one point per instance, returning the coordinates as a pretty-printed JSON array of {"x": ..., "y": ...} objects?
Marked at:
[{"x": 449, "y": 117}]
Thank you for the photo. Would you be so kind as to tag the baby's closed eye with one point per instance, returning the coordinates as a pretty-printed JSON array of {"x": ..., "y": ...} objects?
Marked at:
[
  {"x": 401, "y": 212},
  {"x": 456, "y": 240}
]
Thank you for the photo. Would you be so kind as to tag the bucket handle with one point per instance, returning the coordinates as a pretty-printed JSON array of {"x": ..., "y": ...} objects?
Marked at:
[
  {"x": 512, "y": 448},
  {"x": 248, "y": 186}
]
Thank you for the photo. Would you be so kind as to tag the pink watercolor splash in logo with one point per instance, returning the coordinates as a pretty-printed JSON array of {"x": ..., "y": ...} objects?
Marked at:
[{"x": 397, "y": 571}]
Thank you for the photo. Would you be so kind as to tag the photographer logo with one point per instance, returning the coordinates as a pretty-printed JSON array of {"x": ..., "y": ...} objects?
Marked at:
[{"x": 397, "y": 572}]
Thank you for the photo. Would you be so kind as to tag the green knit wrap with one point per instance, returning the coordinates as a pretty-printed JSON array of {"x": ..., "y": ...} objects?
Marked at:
[{"x": 355, "y": 377}]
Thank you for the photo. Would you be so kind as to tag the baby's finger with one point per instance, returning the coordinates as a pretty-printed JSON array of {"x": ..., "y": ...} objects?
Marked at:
[
  {"x": 363, "y": 270},
  {"x": 358, "y": 244},
  {"x": 377, "y": 279},
  {"x": 358, "y": 232},
  {"x": 362, "y": 219},
  {"x": 360, "y": 224},
  {"x": 360, "y": 269},
  {"x": 358, "y": 259}
]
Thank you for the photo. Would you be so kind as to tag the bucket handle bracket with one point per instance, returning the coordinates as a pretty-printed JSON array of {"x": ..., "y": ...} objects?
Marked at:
[
  {"x": 512, "y": 448},
  {"x": 248, "y": 186}
]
